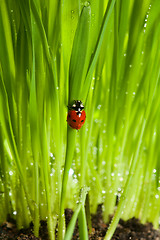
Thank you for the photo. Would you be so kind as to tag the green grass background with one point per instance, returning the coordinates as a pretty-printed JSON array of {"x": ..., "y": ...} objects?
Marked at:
[{"x": 106, "y": 54}]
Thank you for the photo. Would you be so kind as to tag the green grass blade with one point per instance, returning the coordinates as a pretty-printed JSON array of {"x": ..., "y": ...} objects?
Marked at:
[
  {"x": 79, "y": 56},
  {"x": 72, "y": 223}
]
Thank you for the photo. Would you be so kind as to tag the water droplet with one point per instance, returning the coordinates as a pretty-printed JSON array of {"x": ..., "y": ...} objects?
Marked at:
[
  {"x": 99, "y": 106},
  {"x": 71, "y": 172},
  {"x": 77, "y": 149},
  {"x": 156, "y": 196},
  {"x": 14, "y": 212},
  {"x": 121, "y": 179},
  {"x": 154, "y": 170},
  {"x": 10, "y": 173}
]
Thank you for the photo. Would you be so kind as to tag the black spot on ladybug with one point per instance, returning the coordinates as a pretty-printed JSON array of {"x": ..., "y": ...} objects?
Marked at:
[
  {"x": 69, "y": 115},
  {"x": 82, "y": 121},
  {"x": 74, "y": 120}
]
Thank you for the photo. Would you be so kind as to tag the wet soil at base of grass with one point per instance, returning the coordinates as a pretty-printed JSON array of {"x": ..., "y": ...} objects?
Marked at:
[{"x": 126, "y": 230}]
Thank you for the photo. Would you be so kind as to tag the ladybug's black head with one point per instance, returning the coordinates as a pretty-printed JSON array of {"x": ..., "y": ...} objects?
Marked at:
[{"x": 77, "y": 106}]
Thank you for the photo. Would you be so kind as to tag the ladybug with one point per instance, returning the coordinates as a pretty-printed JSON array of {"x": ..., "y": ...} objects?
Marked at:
[{"x": 76, "y": 116}]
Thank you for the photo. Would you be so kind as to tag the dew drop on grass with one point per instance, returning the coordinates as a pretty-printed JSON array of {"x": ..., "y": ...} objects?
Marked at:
[
  {"x": 156, "y": 196},
  {"x": 75, "y": 181},
  {"x": 14, "y": 212},
  {"x": 99, "y": 106},
  {"x": 77, "y": 150},
  {"x": 10, "y": 173},
  {"x": 121, "y": 179},
  {"x": 119, "y": 195},
  {"x": 154, "y": 170},
  {"x": 71, "y": 172},
  {"x": 145, "y": 25}
]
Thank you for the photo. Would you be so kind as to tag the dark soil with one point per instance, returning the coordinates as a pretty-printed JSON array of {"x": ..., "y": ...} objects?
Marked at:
[{"x": 126, "y": 230}]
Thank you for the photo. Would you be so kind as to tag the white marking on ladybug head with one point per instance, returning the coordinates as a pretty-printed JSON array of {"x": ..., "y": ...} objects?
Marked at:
[
  {"x": 79, "y": 114},
  {"x": 81, "y": 105}
]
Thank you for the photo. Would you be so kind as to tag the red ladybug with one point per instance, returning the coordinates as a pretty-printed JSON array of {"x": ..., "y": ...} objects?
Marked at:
[{"x": 76, "y": 116}]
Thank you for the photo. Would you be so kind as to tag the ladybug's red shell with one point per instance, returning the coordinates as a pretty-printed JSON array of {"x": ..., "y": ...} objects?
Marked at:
[{"x": 76, "y": 119}]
